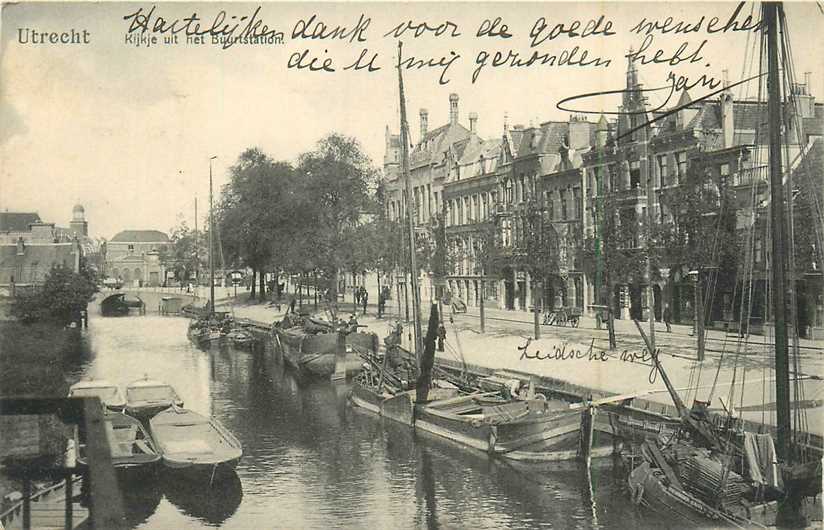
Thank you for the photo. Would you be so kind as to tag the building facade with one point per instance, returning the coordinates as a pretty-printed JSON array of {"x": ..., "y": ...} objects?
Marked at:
[
  {"x": 135, "y": 257},
  {"x": 570, "y": 170},
  {"x": 29, "y": 247}
]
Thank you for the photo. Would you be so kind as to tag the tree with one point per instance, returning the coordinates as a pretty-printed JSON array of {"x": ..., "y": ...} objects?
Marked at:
[
  {"x": 536, "y": 251},
  {"x": 186, "y": 254},
  {"x": 702, "y": 236},
  {"x": 257, "y": 213},
  {"x": 488, "y": 257},
  {"x": 336, "y": 178},
  {"x": 59, "y": 299}
]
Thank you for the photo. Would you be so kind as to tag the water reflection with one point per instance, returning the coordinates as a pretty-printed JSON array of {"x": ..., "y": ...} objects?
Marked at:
[
  {"x": 311, "y": 461},
  {"x": 140, "y": 501},
  {"x": 210, "y": 504}
]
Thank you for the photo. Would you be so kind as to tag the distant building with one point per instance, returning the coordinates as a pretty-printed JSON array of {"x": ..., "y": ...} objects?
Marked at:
[
  {"x": 134, "y": 256},
  {"x": 29, "y": 248}
]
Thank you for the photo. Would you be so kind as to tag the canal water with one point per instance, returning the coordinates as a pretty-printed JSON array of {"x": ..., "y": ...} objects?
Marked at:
[{"x": 311, "y": 461}]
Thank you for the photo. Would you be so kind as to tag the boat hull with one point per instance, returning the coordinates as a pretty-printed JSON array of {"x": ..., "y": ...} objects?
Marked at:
[
  {"x": 317, "y": 355},
  {"x": 195, "y": 446}
]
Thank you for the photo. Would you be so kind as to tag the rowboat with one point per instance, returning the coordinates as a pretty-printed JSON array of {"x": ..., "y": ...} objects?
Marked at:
[
  {"x": 107, "y": 392},
  {"x": 147, "y": 397},
  {"x": 195, "y": 444},
  {"x": 132, "y": 448}
]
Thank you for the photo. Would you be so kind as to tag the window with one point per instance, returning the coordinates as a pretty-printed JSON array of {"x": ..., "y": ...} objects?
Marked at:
[
  {"x": 550, "y": 205},
  {"x": 131, "y": 248},
  {"x": 681, "y": 161},
  {"x": 576, "y": 197},
  {"x": 663, "y": 170},
  {"x": 614, "y": 177},
  {"x": 634, "y": 174},
  {"x": 508, "y": 192},
  {"x": 563, "y": 205}
]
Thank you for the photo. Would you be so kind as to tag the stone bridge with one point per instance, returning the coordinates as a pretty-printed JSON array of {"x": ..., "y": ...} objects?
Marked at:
[{"x": 151, "y": 296}]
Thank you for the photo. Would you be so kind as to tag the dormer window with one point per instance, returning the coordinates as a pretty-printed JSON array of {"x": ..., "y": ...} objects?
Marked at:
[{"x": 131, "y": 247}]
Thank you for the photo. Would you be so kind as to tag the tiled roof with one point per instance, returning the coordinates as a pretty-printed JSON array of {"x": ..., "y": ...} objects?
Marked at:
[
  {"x": 141, "y": 236},
  {"x": 435, "y": 143},
  {"x": 51, "y": 254},
  {"x": 544, "y": 139},
  {"x": 17, "y": 221}
]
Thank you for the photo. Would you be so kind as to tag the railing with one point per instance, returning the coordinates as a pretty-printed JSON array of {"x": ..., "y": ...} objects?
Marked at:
[{"x": 105, "y": 503}]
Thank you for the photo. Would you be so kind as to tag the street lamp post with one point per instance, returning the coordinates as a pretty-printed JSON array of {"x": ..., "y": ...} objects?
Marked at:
[{"x": 211, "y": 245}]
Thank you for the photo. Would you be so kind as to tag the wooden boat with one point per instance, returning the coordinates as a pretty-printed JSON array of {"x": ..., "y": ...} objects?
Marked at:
[
  {"x": 108, "y": 393},
  {"x": 211, "y": 330},
  {"x": 320, "y": 349},
  {"x": 194, "y": 443},
  {"x": 147, "y": 397},
  {"x": 241, "y": 338},
  {"x": 132, "y": 448},
  {"x": 711, "y": 474},
  {"x": 118, "y": 305}
]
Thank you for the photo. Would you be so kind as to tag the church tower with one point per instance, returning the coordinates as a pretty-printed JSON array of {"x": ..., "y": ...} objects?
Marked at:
[{"x": 79, "y": 225}]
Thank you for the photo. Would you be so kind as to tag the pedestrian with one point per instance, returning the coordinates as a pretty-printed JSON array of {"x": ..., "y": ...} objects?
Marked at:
[
  {"x": 353, "y": 323},
  {"x": 381, "y": 304},
  {"x": 357, "y": 296},
  {"x": 441, "y": 336},
  {"x": 292, "y": 305},
  {"x": 668, "y": 317},
  {"x": 364, "y": 299}
]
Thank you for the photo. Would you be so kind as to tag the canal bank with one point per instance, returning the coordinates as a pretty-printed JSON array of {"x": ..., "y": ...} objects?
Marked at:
[
  {"x": 580, "y": 358},
  {"x": 34, "y": 359},
  {"x": 311, "y": 461}
]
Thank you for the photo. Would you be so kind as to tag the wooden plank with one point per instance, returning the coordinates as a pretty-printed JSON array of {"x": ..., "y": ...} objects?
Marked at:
[
  {"x": 665, "y": 467},
  {"x": 107, "y": 504}
]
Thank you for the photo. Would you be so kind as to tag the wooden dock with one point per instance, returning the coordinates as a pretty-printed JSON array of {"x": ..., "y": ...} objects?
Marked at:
[{"x": 48, "y": 509}]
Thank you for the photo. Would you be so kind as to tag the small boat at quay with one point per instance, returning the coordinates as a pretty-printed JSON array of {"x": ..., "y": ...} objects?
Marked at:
[
  {"x": 107, "y": 392},
  {"x": 192, "y": 443},
  {"x": 241, "y": 338},
  {"x": 320, "y": 348},
  {"x": 132, "y": 449},
  {"x": 146, "y": 397}
]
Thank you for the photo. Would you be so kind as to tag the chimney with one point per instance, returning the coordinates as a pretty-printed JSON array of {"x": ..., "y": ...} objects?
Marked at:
[
  {"x": 424, "y": 122},
  {"x": 453, "y": 109},
  {"x": 473, "y": 122},
  {"x": 727, "y": 119},
  {"x": 601, "y": 132},
  {"x": 578, "y": 132}
]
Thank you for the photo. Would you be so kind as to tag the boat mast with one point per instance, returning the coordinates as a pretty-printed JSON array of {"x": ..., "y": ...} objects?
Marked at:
[
  {"x": 197, "y": 253},
  {"x": 771, "y": 12},
  {"x": 413, "y": 272},
  {"x": 211, "y": 258}
]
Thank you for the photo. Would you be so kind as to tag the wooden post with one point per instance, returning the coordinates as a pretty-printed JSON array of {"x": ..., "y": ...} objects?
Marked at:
[
  {"x": 481, "y": 306},
  {"x": 587, "y": 428},
  {"x": 68, "y": 522},
  {"x": 340, "y": 358},
  {"x": 26, "y": 504},
  {"x": 536, "y": 285}
]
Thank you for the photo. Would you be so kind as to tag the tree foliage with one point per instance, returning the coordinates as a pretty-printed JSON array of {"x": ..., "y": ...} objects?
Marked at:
[
  {"x": 186, "y": 254},
  {"x": 59, "y": 299}
]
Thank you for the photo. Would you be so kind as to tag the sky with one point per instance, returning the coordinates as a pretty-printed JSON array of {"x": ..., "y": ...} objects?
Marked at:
[{"x": 128, "y": 130}]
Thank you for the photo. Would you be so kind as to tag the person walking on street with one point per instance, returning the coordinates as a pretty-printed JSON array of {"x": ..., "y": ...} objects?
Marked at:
[
  {"x": 668, "y": 317},
  {"x": 364, "y": 299},
  {"x": 292, "y": 305},
  {"x": 441, "y": 336}
]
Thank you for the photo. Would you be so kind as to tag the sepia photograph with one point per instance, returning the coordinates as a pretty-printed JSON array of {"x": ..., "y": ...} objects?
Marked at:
[{"x": 411, "y": 265}]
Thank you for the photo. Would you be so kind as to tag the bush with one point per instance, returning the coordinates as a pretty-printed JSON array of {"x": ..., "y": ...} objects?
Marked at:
[{"x": 60, "y": 299}]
